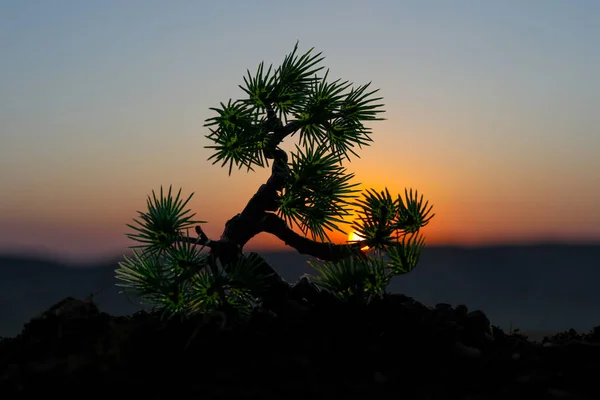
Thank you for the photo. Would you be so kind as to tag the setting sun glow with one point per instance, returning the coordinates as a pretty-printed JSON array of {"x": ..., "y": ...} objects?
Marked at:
[{"x": 354, "y": 236}]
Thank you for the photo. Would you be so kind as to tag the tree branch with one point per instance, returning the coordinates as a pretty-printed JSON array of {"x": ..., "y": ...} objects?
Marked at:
[
  {"x": 244, "y": 226},
  {"x": 273, "y": 224},
  {"x": 256, "y": 218},
  {"x": 280, "y": 131}
]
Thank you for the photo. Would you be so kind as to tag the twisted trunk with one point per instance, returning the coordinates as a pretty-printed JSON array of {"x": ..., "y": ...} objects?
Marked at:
[{"x": 258, "y": 215}]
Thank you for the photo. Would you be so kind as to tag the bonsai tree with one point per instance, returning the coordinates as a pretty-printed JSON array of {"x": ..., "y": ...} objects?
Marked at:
[{"x": 312, "y": 191}]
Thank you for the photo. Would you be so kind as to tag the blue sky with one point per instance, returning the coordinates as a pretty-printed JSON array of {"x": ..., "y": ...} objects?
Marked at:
[{"x": 492, "y": 110}]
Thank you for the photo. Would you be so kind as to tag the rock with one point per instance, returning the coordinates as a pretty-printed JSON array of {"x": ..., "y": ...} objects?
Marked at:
[
  {"x": 70, "y": 307},
  {"x": 310, "y": 349},
  {"x": 593, "y": 335},
  {"x": 478, "y": 321},
  {"x": 461, "y": 310},
  {"x": 379, "y": 377},
  {"x": 497, "y": 333},
  {"x": 304, "y": 289},
  {"x": 554, "y": 393},
  {"x": 463, "y": 350}
]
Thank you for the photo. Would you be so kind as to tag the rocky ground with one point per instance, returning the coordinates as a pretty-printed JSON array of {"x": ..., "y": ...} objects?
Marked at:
[{"x": 319, "y": 349}]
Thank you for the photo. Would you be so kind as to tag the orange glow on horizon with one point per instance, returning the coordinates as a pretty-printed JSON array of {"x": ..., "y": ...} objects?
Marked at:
[{"x": 354, "y": 236}]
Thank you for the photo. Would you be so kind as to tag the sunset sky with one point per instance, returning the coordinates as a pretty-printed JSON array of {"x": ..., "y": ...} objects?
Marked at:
[{"x": 492, "y": 107}]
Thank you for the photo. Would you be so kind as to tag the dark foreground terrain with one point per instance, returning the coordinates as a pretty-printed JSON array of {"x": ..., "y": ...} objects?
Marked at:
[
  {"x": 546, "y": 288},
  {"x": 319, "y": 349}
]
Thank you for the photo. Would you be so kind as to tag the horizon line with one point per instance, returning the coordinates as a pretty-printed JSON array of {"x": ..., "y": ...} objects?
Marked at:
[{"x": 57, "y": 257}]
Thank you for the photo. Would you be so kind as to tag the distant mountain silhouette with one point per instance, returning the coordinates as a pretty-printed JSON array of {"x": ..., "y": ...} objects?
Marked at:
[{"x": 541, "y": 287}]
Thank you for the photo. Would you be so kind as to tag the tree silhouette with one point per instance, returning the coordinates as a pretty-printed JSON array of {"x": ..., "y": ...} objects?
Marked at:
[{"x": 312, "y": 191}]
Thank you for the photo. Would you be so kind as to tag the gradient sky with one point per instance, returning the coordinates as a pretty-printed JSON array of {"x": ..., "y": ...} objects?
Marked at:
[{"x": 493, "y": 111}]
